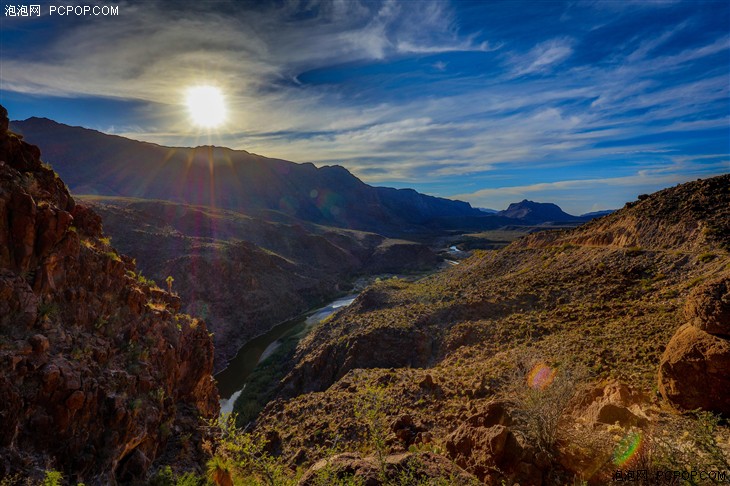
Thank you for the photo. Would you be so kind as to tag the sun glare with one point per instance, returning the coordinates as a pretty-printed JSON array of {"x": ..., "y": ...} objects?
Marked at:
[{"x": 206, "y": 106}]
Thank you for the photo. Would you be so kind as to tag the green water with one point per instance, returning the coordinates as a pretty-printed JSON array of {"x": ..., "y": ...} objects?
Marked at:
[{"x": 232, "y": 379}]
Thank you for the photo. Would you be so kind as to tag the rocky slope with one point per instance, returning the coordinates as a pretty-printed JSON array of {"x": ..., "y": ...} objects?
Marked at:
[
  {"x": 244, "y": 274},
  {"x": 538, "y": 363},
  {"x": 101, "y": 375}
]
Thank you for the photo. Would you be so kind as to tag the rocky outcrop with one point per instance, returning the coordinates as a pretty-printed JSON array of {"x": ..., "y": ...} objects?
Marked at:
[
  {"x": 708, "y": 308},
  {"x": 693, "y": 372},
  {"x": 100, "y": 373},
  {"x": 485, "y": 445},
  {"x": 317, "y": 369}
]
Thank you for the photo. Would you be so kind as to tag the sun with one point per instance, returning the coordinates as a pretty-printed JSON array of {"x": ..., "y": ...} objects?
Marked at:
[{"x": 206, "y": 105}]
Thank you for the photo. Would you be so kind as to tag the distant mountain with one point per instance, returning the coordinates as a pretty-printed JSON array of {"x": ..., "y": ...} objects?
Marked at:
[
  {"x": 597, "y": 214},
  {"x": 488, "y": 210},
  {"x": 536, "y": 213},
  {"x": 92, "y": 162}
]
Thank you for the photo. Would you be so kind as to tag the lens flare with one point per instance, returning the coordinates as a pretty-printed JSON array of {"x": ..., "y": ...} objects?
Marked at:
[
  {"x": 627, "y": 448},
  {"x": 541, "y": 376}
]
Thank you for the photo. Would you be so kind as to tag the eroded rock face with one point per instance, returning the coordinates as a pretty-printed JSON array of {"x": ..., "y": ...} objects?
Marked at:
[{"x": 99, "y": 371}]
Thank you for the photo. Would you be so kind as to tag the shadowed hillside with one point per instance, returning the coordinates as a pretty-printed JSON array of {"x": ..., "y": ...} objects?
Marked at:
[
  {"x": 95, "y": 163},
  {"x": 243, "y": 274}
]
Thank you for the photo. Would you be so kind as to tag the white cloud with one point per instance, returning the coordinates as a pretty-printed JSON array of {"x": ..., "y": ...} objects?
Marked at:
[{"x": 543, "y": 56}]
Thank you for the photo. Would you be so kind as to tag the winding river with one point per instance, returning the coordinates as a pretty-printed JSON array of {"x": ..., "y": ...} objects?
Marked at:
[{"x": 232, "y": 380}]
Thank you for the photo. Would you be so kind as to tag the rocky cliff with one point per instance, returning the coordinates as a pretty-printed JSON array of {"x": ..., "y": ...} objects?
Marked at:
[{"x": 101, "y": 375}]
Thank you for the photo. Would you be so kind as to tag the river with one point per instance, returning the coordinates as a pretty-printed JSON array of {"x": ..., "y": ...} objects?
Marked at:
[{"x": 232, "y": 380}]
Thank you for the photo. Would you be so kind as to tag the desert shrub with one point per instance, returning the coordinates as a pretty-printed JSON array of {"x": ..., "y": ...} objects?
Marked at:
[
  {"x": 539, "y": 396},
  {"x": 371, "y": 409}
]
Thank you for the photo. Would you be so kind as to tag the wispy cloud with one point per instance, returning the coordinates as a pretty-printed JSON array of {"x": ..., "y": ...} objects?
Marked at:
[{"x": 543, "y": 56}]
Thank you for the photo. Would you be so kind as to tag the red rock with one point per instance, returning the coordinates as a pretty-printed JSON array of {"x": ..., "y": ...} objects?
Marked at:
[
  {"x": 75, "y": 401},
  {"x": 612, "y": 404},
  {"x": 40, "y": 343},
  {"x": 86, "y": 220},
  {"x": 494, "y": 414},
  {"x": 22, "y": 212},
  {"x": 427, "y": 382}
]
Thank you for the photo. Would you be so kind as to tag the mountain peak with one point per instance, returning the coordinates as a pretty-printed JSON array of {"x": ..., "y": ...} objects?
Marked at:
[{"x": 536, "y": 212}]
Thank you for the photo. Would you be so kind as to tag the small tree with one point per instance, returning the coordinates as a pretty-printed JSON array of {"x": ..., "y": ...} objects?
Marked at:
[{"x": 169, "y": 281}]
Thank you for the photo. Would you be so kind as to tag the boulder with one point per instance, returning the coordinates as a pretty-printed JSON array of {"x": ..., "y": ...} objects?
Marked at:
[
  {"x": 614, "y": 403},
  {"x": 693, "y": 371},
  {"x": 485, "y": 446}
]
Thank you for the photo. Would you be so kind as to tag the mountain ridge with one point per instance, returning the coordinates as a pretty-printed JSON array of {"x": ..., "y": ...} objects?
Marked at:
[{"x": 96, "y": 163}]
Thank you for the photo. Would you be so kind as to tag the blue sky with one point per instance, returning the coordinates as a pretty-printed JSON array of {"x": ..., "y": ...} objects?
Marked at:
[{"x": 584, "y": 103}]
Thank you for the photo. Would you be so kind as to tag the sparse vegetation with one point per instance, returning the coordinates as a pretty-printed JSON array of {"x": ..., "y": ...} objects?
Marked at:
[
  {"x": 52, "y": 478},
  {"x": 706, "y": 257},
  {"x": 113, "y": 255},
  {"x": 372, "y": 411}
]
